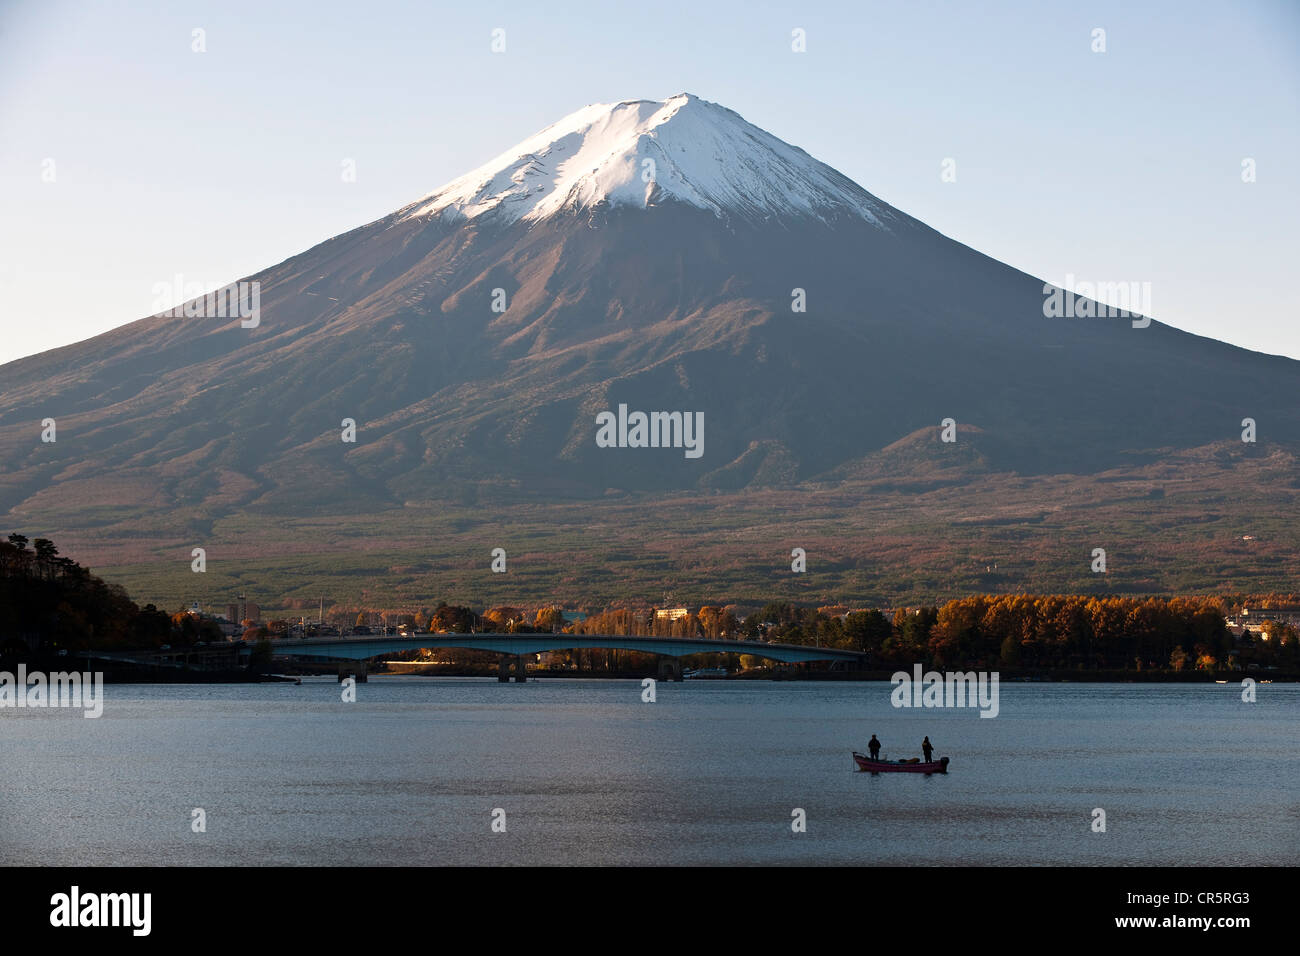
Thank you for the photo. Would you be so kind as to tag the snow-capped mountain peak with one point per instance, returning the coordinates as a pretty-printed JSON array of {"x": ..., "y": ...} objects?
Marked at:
[{"x": 644, "y": 153}]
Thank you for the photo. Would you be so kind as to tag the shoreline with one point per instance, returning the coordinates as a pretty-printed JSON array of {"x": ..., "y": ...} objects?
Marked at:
[{"x": 144, "y": 675}]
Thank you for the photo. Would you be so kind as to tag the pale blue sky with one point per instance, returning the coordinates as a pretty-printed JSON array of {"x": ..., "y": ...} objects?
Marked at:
[{"x": 1115, "y": 166}]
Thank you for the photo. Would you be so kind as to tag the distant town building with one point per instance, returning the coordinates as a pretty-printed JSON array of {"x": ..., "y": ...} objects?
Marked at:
[
  {"x": 670, "y": 613},
  {"x": 1238, "y": 631},
  {"x": 243, "y": 611},
  {"x": 1282, "y": 615}
]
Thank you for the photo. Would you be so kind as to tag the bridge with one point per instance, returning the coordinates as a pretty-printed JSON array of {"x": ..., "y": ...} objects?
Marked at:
[{"x": 515, "y": 646}]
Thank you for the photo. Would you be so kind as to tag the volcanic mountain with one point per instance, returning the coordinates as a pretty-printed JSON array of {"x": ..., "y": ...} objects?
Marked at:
[{"x": 663, "y": 256}]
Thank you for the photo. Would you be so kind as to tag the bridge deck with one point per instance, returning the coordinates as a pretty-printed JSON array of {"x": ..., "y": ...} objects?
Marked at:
[{"x": 360, "y": 648}]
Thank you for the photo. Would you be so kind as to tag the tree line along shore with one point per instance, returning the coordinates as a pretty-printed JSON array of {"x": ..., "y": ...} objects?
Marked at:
[{"x": 49, "y": 603}]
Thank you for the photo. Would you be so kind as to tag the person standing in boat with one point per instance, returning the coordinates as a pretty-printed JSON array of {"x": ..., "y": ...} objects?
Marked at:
[
  {"x": 926, "y": 749},
  {"x": 873, "y": 747}
]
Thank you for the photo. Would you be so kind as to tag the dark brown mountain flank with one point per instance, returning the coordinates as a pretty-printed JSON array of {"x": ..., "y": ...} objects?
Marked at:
[{"x": 672, "y": 302}]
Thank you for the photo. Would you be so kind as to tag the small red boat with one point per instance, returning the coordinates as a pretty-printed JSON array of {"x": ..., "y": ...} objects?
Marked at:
[{"x": 898, "y": 766}]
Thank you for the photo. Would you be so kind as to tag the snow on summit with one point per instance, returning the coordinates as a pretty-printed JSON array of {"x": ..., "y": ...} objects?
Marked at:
[{"x": 644, "y": 153}]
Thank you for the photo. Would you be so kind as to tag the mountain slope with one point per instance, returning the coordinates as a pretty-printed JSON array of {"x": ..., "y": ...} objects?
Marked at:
[{"x": 673, "y": 294}]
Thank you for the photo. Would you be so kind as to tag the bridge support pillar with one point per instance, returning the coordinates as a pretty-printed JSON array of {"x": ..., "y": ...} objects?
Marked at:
[
  {"x": 508, "y": 663},
  {"x": 670, "y": 668},
  {"x": 359, "y": 671}
]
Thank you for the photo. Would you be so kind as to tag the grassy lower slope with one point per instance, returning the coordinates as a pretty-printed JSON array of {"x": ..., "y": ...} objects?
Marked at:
[{"x": 1175, "y": 526}]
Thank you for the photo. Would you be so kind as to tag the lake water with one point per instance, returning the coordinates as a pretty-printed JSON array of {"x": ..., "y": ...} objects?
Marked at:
[{"x": 710, "y": 773}]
